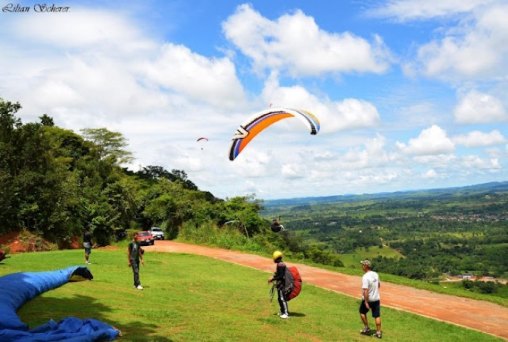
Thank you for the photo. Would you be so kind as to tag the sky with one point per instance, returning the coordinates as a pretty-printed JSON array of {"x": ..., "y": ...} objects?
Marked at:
[{"x": 410, "y": 94}]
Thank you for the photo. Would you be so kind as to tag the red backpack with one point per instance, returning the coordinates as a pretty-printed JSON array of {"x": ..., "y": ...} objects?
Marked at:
[{"x": 293, "y": 284}]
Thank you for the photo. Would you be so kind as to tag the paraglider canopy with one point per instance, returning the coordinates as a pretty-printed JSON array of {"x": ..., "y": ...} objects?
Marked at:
[
  {"x": 202, "y": 141},
  {"x": 259, "y": 122}
]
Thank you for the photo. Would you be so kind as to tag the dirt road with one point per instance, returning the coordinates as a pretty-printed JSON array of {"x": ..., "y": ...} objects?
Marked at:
[{"x": 474, "y": 314}]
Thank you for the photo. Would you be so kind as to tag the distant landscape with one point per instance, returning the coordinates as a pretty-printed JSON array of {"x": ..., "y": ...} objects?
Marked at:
[{"x": 435, "y": 235}]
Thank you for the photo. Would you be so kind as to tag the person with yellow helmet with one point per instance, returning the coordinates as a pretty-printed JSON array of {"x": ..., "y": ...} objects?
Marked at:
[{"x": 280, "y": 279}]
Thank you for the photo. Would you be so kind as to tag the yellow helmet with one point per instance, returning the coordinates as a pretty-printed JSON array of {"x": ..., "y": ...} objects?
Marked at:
[{"x": 276, "y": 255}]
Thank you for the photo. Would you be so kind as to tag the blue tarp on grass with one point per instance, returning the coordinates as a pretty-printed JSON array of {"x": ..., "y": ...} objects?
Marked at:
[{"x": 18, "y": 288}]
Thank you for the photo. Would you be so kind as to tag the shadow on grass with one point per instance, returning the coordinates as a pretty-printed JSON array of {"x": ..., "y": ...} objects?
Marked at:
[
  {"x": 41, "y": 309},
  {"x": 137, "y": 331},
  {"x": 296, "y": 314}
]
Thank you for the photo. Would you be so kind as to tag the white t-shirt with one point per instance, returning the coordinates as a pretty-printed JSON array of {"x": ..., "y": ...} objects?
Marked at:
[{"x": 370, "y": 280}]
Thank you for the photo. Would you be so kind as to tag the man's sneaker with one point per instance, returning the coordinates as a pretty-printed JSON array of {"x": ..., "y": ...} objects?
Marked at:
[
  {"x": 365, "y": 331},
  {"x": 139, "y": 287},
  {"x": 284, "y": 316},
  {"x": 378, "y": 334}
]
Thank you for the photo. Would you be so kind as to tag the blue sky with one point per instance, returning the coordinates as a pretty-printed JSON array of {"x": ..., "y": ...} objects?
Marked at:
[{"x": 410, "y": 94}]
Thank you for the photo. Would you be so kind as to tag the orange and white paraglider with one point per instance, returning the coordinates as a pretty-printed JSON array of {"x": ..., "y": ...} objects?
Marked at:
[{"x": 257, "y": 123}]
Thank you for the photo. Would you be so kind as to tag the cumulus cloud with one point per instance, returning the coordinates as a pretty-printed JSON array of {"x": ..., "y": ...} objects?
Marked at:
[
  {"x": 475, "y": 107},
  {"x": 475, "y": 49},
  {"x": 204, "y": 79},
  {"x": 431, "y": 141},
  {"x": 295, "y": 43},
  {"x": 373, "y": 154},
  {"x": 478, "y": 139},
  {"x": 94, "y": 68},
  {"x": 254, "y": 164},
  {"x": 334, "y": 115},
  {"x": 354, "y": 113}
]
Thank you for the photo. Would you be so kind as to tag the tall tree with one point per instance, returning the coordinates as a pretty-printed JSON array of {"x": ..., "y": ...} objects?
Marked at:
[{"x": 110, "y": 145}]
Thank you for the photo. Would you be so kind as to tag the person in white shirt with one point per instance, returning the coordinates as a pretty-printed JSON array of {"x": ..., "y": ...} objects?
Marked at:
[{"x": 370, "y": 299}]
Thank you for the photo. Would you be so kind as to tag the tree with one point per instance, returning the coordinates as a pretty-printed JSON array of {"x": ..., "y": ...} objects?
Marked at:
[
  {"x": 109, "y": 145},
  {"x": 46, "y": 120}
]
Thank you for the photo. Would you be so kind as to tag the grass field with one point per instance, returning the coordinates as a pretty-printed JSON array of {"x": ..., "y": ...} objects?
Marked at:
[
  {"x": 350, "y": 260},
  {"x": 192, "y": 298}
]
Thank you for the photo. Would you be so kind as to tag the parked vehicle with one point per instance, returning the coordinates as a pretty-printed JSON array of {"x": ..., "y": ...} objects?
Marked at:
[
  {"x": 145, "y": 238},
  {"x": 157, "y": 233}
]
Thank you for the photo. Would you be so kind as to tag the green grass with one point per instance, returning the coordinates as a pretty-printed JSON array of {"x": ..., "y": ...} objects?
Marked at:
[
  {"x": 351, "y": 260},
  {"x": 231, "y": 238},
  {"x": 192, "y": 298}
]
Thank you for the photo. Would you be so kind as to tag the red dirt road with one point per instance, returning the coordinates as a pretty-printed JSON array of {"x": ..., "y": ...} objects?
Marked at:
[{"x": 474, "y": 314}]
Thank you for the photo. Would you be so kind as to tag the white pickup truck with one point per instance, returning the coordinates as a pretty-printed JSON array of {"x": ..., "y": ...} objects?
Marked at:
[{"x": 157, "y": 233}]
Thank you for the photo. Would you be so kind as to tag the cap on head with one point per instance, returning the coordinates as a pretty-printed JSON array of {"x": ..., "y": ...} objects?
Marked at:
[
  {"x": 276, "y": 255},
  {"x": 366, "y": 263}
]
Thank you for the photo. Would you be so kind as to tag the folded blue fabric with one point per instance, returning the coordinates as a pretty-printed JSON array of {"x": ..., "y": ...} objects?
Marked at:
[{"x": 18, "y": 288}]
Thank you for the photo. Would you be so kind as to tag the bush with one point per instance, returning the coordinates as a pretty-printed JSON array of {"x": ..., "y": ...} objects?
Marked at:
[{"x": 486, "y": 287}]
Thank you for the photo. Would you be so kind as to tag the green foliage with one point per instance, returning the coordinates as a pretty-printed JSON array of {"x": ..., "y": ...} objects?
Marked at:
[
  {"x": 487, "y": 287},
  {"x": 109, "y": 145},
  {"x": 54, "y": 183},
  {"x": 434, "y": 232}
]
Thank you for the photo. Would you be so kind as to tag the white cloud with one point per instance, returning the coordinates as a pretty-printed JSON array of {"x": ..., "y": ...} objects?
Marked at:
[
  {"x": 293, "y": 171},
  {"x": 354, "y": 113},
  {"x": 475, "y": 107},
  {"x": 375, "y": 178},
  {"x": 294, "y": 42},
  {"x": 204, "y": 79},
  {"x": 373, "y": 155},
  {"x": 254, "y": 164},
  {"x": 430, "y": 174},
  {"x": 82, "y": 28},
  {"x": 431, "y": 141},
  {"x": 439, "y": 161},
  {"x": 477, "y": 138},
  {"x": 475, "y": 49},
  {"x": 475, "y": 162},
  {"x": 333, "y": 115},
  {"x": 405, "y": 10},
  {"x": 112, "y": 74}
]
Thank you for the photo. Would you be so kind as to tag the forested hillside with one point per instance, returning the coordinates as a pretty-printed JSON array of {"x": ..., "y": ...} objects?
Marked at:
[
  {"x": 435, "y": 232},
  {"x": 55, "y": 182}
]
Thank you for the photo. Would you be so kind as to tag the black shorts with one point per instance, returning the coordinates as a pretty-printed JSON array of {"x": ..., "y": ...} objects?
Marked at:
[{"x": 374, "y": 306}]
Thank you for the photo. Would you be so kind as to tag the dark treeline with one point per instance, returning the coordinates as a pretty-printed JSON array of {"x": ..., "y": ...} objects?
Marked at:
[{"x": 55, "y": 182}]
